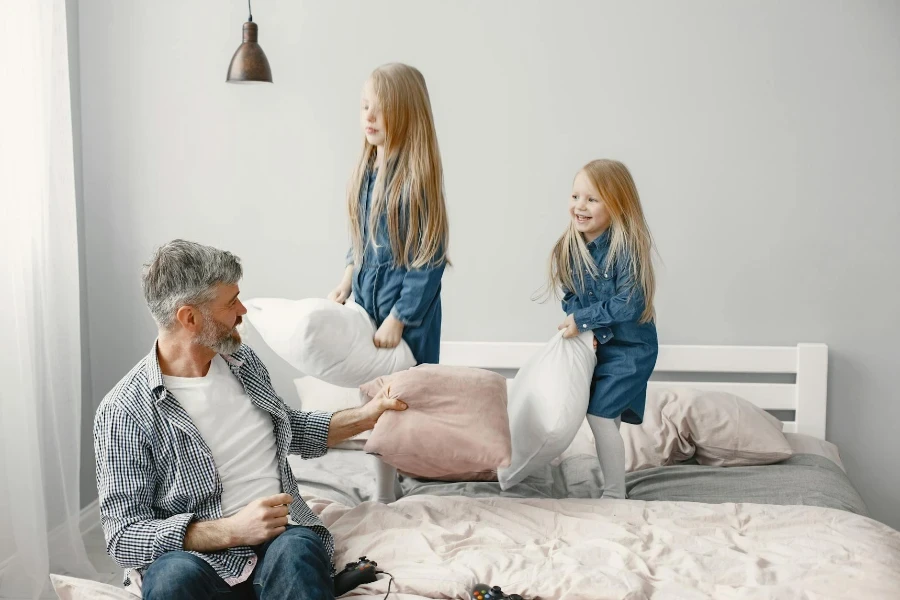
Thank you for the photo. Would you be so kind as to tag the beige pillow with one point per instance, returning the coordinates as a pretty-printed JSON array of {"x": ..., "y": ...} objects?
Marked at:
[
  {"x": 807, "y": 444},
  {"x": 316, "y": 394},
  {"x": 456, "y": 426},
  {"x": 716, "y": 428},
  {"x": 72, "y": 588}
]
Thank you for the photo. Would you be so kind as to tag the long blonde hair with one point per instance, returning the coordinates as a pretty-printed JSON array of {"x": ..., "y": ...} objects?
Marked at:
[
  {"x": 629, "y": 237},
  {"x": 410, "y": 185}
]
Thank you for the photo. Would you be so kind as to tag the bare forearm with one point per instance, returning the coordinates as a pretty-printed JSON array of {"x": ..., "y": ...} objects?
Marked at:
[
  {"x": 347, "y": 423},
  {"x": 347, "y": 279},
  {"x": 210, "y": 536}
]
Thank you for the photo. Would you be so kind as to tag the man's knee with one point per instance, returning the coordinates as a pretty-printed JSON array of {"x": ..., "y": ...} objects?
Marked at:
[
  {"x": 295, "y": 565},
  {"x": 298, "y": 542},
  {"x": 177, "y": 575}
]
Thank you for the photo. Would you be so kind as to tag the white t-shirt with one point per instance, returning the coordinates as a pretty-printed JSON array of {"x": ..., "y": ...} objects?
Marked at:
[{"x": 240, "y": 435}]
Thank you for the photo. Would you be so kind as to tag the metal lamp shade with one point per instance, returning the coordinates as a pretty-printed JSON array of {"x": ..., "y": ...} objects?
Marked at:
[{"x": 249, "y": 63}]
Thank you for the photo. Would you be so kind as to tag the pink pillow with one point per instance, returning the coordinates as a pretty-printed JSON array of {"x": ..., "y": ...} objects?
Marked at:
[{"x": 456, "y": 426}]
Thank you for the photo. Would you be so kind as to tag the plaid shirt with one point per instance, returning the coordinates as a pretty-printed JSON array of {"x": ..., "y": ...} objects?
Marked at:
[{"x": 155, "y": 474}]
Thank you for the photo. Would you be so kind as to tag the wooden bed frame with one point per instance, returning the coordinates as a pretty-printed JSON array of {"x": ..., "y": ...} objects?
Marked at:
[{"x": 806, "y": 397}]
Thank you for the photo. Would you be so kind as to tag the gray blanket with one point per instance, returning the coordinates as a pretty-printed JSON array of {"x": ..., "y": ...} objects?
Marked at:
[
  {"x": 345, "y": 476},
  {"x": 803, "y": 479}
]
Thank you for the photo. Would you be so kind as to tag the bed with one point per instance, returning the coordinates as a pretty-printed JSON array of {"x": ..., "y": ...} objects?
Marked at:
[{"x": 796, "y": 529}]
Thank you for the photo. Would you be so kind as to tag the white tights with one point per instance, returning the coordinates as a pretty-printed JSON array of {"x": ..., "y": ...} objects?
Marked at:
[{"x": 611, "y": 452}]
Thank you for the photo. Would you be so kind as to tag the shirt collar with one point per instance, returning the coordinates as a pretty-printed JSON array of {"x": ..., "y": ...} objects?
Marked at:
[
  {"x": 601, "y": 241},
  {"x": 155, "y": 376}
]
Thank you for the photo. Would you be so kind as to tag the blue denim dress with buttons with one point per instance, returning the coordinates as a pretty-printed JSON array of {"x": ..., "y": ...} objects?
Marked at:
[
  {"x": 610, "y": 305},
  {"x": 413, "y": 296}
]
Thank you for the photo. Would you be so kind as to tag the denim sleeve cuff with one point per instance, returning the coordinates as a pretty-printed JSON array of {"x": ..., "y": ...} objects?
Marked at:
[
  {"x": 582, "y": 319},
  {"x": 170, "y": 534},
  {"x": 406, "y": 322}
]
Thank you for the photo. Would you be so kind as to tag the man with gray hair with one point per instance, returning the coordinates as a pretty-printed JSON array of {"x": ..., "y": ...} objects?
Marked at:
[{"x": 197, "y": 499}]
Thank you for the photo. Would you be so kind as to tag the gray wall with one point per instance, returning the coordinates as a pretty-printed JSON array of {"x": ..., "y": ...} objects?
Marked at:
[{"x": 763, "y": 137}]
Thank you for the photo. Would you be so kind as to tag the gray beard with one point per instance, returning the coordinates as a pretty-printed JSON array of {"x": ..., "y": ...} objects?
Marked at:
[{"x": 217, "y": 337}]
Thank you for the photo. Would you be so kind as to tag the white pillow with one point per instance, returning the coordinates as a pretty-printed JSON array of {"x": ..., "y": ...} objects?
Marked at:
[
  {"x": 583, "y": 443},
  {"x": 330, "y": 341},
  {"x": 72, "y": 588},
  {"x": 316, "y": 394},
  {"x": 547, "y": 404}
]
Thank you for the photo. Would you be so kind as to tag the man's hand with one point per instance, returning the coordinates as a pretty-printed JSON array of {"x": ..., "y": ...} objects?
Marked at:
[
  {"x": 389, "y": 334},
  {"x": 261, "y": 520},
  {"x": 381, "y": 403},
  {"x": 569, "y": 328},
  {"x": 353, "y": 421},
  {"x": 258, "y": 522}
]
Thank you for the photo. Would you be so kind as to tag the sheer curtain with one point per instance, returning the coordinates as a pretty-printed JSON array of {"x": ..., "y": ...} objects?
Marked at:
[{"x": 40, "y": 373}]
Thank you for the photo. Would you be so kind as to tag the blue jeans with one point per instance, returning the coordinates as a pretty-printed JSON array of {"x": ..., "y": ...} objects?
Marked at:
[{"x": 293, "y": 565}]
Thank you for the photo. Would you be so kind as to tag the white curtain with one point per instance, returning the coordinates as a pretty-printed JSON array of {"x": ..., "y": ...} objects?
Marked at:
[{"x": 40, "y": 369}]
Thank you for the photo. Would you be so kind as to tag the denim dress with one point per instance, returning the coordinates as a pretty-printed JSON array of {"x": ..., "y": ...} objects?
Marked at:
[
  {"x": 413, "y": 296},
  {"x": 610, "y": 305}
]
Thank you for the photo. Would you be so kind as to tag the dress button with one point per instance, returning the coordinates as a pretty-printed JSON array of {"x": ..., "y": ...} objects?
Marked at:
[{"x": 584, "y": 325}]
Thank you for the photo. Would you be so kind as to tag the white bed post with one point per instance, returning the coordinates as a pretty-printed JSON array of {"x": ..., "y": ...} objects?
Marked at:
[{"x": 812, "y": 389}]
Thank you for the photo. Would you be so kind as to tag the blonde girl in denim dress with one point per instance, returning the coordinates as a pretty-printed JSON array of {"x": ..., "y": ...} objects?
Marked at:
[
  {"x": 602, "y": 267},
  {"x": 398, "y": 222}
]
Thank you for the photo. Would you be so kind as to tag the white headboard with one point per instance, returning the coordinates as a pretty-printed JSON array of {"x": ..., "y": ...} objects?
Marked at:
[{"x": 806, "y": 396}]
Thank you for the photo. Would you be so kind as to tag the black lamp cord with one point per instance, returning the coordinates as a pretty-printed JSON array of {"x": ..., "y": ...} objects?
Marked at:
[
  {"x": 389, "y": 582},
  {"x": 249, "y": 10}
]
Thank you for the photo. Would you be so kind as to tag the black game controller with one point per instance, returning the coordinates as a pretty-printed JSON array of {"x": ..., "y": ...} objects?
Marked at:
[
  {"x": 354, "y": 575},
  {"x": 484, "y": 592}
]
